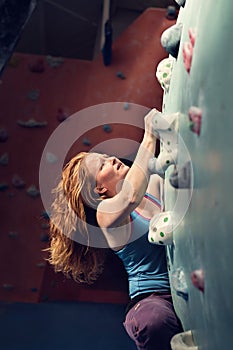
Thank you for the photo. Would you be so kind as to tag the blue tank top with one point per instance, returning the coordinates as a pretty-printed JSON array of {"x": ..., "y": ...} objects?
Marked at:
[{"x": 145, "y": 263}]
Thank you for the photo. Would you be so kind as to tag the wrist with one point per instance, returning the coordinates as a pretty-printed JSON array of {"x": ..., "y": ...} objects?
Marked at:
[{"x": 149, "y": 140}]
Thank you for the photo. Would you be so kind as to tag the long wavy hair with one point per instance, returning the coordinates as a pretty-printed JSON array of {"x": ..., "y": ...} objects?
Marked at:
[{"x": 69, "y": 215}]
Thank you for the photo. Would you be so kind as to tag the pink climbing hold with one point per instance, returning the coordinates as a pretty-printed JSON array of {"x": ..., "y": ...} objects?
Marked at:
[
  {"x": 188, "y": 49},
  {"x": 192, "y": 36},
  {"x": 197, "y": 278},
  {"x": 195, "y": 116},
  {"x": 187, "y": 55}
]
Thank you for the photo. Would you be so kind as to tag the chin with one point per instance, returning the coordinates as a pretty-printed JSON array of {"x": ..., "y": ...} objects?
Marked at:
[{"x": 125, "y": 169}]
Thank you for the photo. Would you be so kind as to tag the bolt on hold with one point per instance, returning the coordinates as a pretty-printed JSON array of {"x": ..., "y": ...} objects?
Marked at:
[
  {"x": 197, "y": 278},
  {"x": 195, "y": 117}
]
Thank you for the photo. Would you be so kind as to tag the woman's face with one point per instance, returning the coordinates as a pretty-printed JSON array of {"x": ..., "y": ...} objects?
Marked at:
[{"x": 109, "y": 173}]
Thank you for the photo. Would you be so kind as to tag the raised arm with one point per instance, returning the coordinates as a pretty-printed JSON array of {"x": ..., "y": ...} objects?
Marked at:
[{"x": 112, "y": 212}]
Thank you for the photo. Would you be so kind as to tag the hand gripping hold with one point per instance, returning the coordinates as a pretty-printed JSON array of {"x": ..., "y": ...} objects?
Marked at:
[{"x": 165, "y": 126}]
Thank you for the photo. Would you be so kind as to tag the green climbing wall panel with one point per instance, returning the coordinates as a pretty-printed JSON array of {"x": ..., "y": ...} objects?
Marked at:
[{"x": 204, "y": 240}]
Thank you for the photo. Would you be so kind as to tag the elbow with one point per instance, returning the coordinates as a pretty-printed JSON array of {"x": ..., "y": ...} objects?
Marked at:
[{"x": 132, "y": 196}]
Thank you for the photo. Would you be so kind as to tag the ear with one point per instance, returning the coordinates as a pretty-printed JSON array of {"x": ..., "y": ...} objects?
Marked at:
[{"x": 100, "y": 190}]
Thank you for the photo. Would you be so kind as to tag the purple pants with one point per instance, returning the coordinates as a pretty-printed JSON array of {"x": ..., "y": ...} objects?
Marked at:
[{"x": 152, "y": 322}]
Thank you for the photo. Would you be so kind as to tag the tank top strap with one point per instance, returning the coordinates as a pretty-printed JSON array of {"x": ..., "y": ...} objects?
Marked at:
[{"x": 153, "y": 199}]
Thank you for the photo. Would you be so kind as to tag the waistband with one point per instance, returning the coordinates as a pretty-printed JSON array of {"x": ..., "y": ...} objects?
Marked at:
[{"x": 142, "y": 296}]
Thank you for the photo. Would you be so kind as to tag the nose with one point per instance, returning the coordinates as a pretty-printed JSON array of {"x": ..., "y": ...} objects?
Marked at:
[{"x": 111, "y": 160}]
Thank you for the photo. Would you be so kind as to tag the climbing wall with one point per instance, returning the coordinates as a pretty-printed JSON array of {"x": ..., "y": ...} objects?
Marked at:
[{"x": 200, "y": 257}]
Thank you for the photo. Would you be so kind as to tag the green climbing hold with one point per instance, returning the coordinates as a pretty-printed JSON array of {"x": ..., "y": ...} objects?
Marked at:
[
  {"x": 152, "y": 239},
  {"x": 165, "y": 219},
  {"x": 167, "y": 161},
  {"x": 164, "y": 75},
  {"x": 161, "y": 234},
  {"x": 160, "y": 242}
]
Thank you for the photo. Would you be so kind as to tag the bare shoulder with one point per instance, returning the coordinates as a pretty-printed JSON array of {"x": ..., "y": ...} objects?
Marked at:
[{"x": 113, "y": 212}]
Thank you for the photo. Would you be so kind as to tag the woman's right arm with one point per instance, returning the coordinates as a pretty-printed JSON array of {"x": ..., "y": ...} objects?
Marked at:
[{"x": 113, "y": 211}]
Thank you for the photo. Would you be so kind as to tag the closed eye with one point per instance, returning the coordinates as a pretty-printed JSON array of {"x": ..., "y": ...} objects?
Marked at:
[{"x": 104, "y": 157}]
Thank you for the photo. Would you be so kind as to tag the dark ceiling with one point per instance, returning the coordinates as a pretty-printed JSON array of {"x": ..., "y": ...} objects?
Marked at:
[
  {"x": 71, "y": 28},
  {"x": 66, "y": 28}
]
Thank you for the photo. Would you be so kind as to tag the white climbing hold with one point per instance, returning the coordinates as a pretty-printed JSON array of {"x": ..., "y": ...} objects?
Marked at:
[
  {"x": 179, "y": 283},
  {"x": 164, "y": 73},
  {"x": 181, "y": 176},
  {"x": 170, "y": 39},
  {"x": 161, "y": 229},
  {"x": 164, "y": 122},
  {"x": 159, "y": 165},
  {"x": 183, "y": 341},
  {"x": 181, "y": 2},
  {"x": 165, "y": 126}
]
